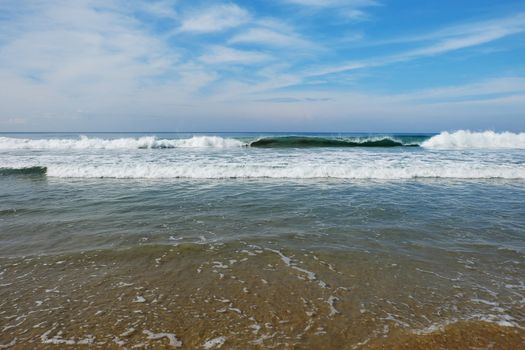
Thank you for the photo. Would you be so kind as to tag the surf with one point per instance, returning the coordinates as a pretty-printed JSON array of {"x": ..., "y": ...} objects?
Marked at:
[
  {"x": 465, "y": 139},
  {"x": 145, "y": 142},
  {"x": 373, "y": 171},
  {"x": 457, "y": 140}
]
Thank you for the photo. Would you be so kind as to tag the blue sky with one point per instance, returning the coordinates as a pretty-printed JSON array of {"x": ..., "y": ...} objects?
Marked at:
[{"x": 273, "y": 65}]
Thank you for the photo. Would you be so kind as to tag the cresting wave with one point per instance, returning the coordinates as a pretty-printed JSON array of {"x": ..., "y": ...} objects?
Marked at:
[
  {"x": 461, "y": 139},
  {"x": 303, "y": 141}
]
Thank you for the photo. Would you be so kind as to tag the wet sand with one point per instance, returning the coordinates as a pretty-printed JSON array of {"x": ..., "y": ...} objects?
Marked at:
[{"x": 250, "y": 296}]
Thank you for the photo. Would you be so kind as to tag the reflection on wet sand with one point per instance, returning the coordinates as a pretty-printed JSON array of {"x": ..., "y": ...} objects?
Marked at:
[{"x": 256, "y": 296}]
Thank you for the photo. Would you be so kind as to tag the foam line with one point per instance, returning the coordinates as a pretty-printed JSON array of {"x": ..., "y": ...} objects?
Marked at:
[{"x": 464, "y": 139}]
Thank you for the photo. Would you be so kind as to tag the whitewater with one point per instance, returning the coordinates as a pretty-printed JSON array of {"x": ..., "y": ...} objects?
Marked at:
[
  {"x": 145, "y": 142},
  {"x": 449, "y": 155},
  {"x": 462, "y": 139}
]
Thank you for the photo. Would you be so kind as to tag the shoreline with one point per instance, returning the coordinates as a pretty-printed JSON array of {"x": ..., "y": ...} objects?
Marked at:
[{"x": 240, "y": 296}]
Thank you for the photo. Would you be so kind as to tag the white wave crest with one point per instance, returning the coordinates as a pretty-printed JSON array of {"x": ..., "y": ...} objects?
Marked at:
[
  {"x": 296, "y": 171},
  {"x": 464, "y": 139},
  {"x": 10, "y": 143}
]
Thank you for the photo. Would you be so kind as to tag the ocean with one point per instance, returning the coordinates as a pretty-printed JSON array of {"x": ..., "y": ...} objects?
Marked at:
[{"x": 262, "y": 240}]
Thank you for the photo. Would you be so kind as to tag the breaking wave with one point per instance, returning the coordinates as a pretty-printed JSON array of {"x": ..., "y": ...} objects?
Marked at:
[
  {"x": 152, "y": 142},
  {"x": 464, "y": 139},
  {"x": 146, "y": 142}
]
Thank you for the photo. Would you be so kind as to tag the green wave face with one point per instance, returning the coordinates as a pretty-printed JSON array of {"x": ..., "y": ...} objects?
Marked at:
[
  {"x": 34, "y": 170},
  {"x": 303, "y": 142}
]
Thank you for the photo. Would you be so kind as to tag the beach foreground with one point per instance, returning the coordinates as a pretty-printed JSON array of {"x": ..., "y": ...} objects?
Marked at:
[{"x": 249, "y": 296}]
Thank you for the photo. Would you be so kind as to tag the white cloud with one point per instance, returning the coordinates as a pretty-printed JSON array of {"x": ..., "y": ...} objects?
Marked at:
[
  {"x": 452, "y": 44},
  {"x": 348, "y": 9},
  {"x": 269, "y": 37},
  {"x": 511, "y": 24},
  {"x": 90, "y": 56},
  {"x": 79, "y": 45},
  {"x": 222, "y": 54},
  {"x": 215, "y": 19},
  {"x": 349, "y": 66},
  {"x": 441, "y": 42},
  {"x": 161, "y": 8},
  {"x": 333, "y": 3}
]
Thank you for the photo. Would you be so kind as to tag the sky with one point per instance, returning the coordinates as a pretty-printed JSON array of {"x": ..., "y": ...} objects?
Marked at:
[{"x": 262, "y": 65}]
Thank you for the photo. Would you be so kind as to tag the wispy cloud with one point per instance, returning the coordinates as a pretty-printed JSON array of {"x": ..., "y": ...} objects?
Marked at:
[
  {"x": 349, "y": 9},
  {"x": 514, "y": 23},
  {"x": 334, "y": 3},
  {"x": 161, "y": 8},
  {"x": 223, "y": 54},
  {"x": 270, "y": 37},
  {"x": 440, "y": 42},
  {"x": 214, "y": 19}
]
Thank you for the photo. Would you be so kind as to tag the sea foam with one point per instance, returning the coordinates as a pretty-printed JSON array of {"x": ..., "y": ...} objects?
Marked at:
[
  {"x": 145, "y": 142},
  {"x": 464, "y": 139},
  {"x": 295, "y": 171}
]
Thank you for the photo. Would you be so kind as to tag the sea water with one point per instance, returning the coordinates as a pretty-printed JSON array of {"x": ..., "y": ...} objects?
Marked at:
[{"x": 255, "y": 240}]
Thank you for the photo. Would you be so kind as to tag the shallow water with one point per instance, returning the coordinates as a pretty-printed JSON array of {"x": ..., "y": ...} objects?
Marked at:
[{"x": 260, "y": 262}]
